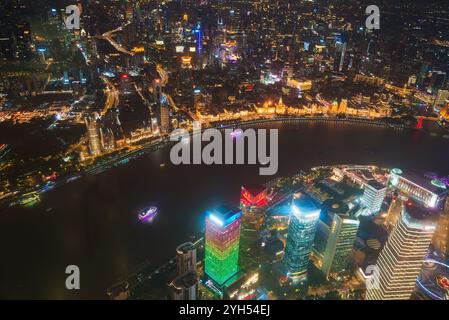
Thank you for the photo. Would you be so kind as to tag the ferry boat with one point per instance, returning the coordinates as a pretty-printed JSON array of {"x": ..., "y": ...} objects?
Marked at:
[{"x": 148, "y": 214}]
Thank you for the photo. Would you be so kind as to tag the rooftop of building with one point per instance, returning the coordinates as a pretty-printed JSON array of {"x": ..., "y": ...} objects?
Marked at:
[
  {"x": 223, "y": 215},
  {"x": 305, "y": 207},
  {"x": 185, "y": 247},
  {"x": 376, "y": 185},
  {"x": 419, "y": 212},
  {"x": 186, "y": 280},
  {"x": 424, "y": 182},
  {"x": 254, "y": 189}
]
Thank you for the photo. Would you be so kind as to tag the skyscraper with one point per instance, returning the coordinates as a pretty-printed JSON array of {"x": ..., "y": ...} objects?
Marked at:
[
  {"x": 185, "y": 258},
  {"x": 394, "y": 212},
  {"x": 23, "y": 40},
  {"x": 441, "y": 237},
  {"x": 165, "y": 118},
  {"x": 334, "y": 242},
  {"x": 253, "y": 201},
  {"x": 162, "y": 107},
  {"x": 401, "y": 259},
  {"x": 107, "y": 139},
  {"x": 93, "y": 132},
  {"x": 301, "y": 233},
  {"x": 253, "y": 196},
  {"x": 373, "y": 196},
  {"x": 184, "y": 287},
  {"x": 157, "y": 92},
  {"x": 222, "y": 244}
]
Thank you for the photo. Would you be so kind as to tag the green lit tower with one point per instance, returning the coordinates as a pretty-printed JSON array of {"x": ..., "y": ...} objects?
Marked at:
[{"x": 222, "y": 244}]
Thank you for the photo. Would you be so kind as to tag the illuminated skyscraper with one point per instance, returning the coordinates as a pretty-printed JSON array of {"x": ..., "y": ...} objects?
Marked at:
[
  {"x": 253, "y": 196},
  {"x": 125, "y": 84},
  {"x": 394, "y": 212},
  {"x": 301, "y": 233},
  {"x": 373, "y": 196},
  {"x": 93, "y": 132},
  {"x": 186, "y": 258},
  {"x": 165, "y": 119},
  {"x": 253, "y": 201},
  {"x": 401, "y": 259},
  {"x": 441, "y": 238},
  {"x": 23, "y": 40},
  {"x": 222, "y": 244},
  {"x": 334, "y": 242},
  {"x": 162, "y": 107},
  {"x": 157, "y": 92},
  {"x": 107, "y": 139}
]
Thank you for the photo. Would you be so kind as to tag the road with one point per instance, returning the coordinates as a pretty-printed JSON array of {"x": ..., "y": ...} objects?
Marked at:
[
  {"x": 112, "y": 95},
  {"x": 108, "y": 36}
]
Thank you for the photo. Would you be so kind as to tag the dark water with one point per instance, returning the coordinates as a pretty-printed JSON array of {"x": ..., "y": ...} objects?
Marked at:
[{"x": 92, "y": 222}]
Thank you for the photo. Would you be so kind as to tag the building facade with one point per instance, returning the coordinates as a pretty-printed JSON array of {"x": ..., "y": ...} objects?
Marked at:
[
  {"x": 301, "y": 233},
  {"x": 222, "y": 244},
  {"x": 400, "y": 261}
]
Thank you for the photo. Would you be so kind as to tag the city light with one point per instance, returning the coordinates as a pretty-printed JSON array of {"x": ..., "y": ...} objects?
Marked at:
[{"x": 321, "y": 127}]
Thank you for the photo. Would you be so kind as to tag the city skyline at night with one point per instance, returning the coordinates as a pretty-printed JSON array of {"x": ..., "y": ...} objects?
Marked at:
[{"x": 252, "y": 150}]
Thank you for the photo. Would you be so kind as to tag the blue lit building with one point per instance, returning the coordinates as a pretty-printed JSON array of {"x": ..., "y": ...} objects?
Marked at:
[{"x": 301, "y": 233}]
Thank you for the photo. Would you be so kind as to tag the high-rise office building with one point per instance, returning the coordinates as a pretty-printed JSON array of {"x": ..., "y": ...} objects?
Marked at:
[
  {"x": 334, "y": 242},
  {"x": 253, "y": 196},
  {"x": 301, "y": 233},
  {"x": 185, "y": 258},
  {"x": 23, "y": 40},
  {"x": 440, "y": 240},
  {"x": 401, "y": 259},
  {"x": 107, "y": 139},
  {"x": 373, "y": 196},
  {"x": 165, "y": 118},
  {"x": 162, "y": 107},
  {"x": 93, "y": 133},
  {"x": 253, "y": 200},
  {"x": 394, "y": 212},
  {"x": 222, "y": 244},
  {"x": 184, "y": 287},
  {"x": 157, "y": 92},
  {"x": 125, "y": 84}
]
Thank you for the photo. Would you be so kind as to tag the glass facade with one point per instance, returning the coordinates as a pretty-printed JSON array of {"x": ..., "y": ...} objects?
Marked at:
[
  {"x": 301, "y": 234},
  {"x": 222, "y": 245}
]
